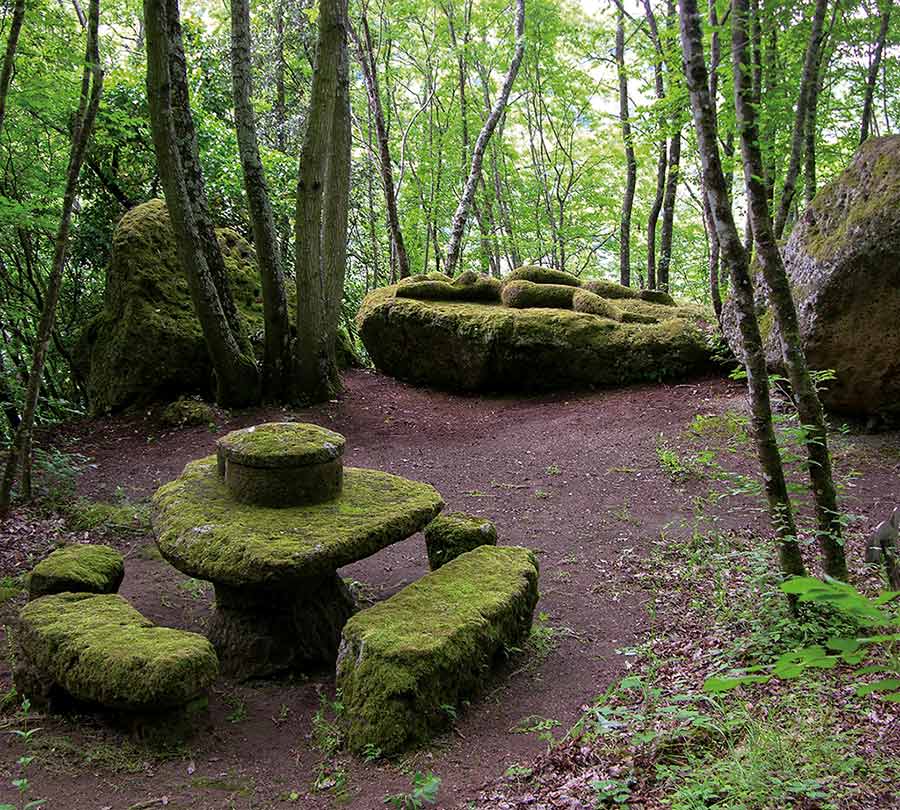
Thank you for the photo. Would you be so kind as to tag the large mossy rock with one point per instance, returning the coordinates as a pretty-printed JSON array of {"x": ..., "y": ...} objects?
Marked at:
[
  {"x": 146, "y": 344},
  {"x": 79, "y": 569},
  {"x": 98, "y": 649},
  {"x": 470, "y": 346},
  {"x": 843, "y": 263},
  {"x": 431, "y": 646}
]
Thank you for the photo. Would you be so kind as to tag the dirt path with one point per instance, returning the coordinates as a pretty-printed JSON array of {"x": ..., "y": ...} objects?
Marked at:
[{"x": 574, "y": 477}]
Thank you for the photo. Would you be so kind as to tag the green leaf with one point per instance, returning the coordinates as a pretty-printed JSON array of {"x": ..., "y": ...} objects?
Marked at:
[{"x": 884, "y": 685}]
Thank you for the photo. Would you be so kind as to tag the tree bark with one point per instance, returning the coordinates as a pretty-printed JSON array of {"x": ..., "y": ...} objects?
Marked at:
[
  {"x": 630, "y": 160},
  {"x": 668, "y": 224},
  {"x": 9, "y": 57},
  {"x": 810, "y": 73},
  {"x": 661, "y": 162},
  {"x": 461, "y": 215},
  {"x": 715, "y": 55},
  {"x": 809, "y": 407},
  {"x": 91, "y": 88},
  {"x": 872, "y": 76},
  {"x": 734, "y": 255},
  {"x": 366, "y": 56},
  {"x": 278, "y": 363},
  {"x": 237, "y": 379},
  {"x": 320, "y": 239}
]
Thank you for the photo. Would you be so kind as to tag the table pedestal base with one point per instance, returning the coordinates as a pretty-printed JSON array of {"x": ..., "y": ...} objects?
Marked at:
[{"x": 264, "y": 631}]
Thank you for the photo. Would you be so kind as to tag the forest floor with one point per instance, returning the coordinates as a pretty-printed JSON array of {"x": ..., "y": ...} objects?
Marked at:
[{"x": 652, "y": 577}]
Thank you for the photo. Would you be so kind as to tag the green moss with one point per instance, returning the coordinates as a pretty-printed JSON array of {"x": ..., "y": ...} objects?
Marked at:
[
  {"x": 609, "y": 289},
  {"x": 78, "y": 568},
  {"x": 84, "y": 514},
  {"x": 432, "y": 645},
  {"x": 100, "y": 649},
  {"x": 522, "y": 294},
  {"x": 657, "y": 297},
  {"x": 541, "y": 275},
  {"x": 586, "y": 301},
  {"x": 204, "y": 533},
  {"x": 184, "y": 412},
  {"x": 416, "y": 278},
  {"x": 466, "y": 346},
  {"x": 468, "y": 287},
  {"x": 146, "y": 344},
  {"x": 281, "y": 444},
  {"x": 448, "y": 536}
]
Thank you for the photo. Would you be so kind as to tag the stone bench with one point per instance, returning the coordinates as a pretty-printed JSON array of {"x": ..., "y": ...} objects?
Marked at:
[
  {"x": 97, "y": 649},
  {"x": 432, "y": 646},
  {"x": 449, "y": 535},
  {"x": 79, "y": 569}
]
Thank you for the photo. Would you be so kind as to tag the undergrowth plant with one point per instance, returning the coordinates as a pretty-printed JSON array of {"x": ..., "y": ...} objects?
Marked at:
[
  {"x": 22, "y": 783},
  {"x": 424, "y": 791}
]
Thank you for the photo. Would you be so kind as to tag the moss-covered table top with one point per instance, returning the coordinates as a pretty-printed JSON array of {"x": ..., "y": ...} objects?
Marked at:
[{"x": 203, "y": 532}]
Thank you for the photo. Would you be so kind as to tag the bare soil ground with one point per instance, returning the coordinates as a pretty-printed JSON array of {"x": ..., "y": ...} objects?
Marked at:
[{"x": 576, "y": 477}]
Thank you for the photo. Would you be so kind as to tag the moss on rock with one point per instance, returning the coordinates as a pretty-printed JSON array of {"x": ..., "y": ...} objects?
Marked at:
[
  {"x": 522, "y": 294},
  {"x": 77, "y": 568},
  {"x": 541, "y": 275},
  {"x": 467, "y": 287},
  {"x": 657, "y": 297},
  {"x": 470, "y": 347},
  {"x": 448, "y": 536},
  {"x": 281, "y": 444},
  {"x": 432, "y": 645},
  {"x": 586, "y": 301},
  {"x": 187, "y": 412},
  {"x": 100, "y": 650},
  {"x": 203, "y": 532},
  {"x": 609, "y": 289}
]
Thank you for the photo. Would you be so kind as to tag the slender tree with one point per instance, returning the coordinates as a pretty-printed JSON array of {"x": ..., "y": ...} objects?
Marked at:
[
  {"x": 735, "y": 256},
  {"x": 9, "y": 57},
  {"x": 809, "y": 407},
  {"x": 322, "y": 201},
  {"x": 278, "y": 360},
  {"x": 874, "y": 65},
  {"x": 662, "y": 158},
  {"x": 630, "y": 160},
  {"x": 458, "y": 226},
  {"x": 89, "y": 101},
  {"x": 236, "y": 373},
  {"x": 807, "y": 81}
]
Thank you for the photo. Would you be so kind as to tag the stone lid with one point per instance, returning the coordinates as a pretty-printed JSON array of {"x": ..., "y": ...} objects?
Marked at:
[{"x": 281, "y": 444}]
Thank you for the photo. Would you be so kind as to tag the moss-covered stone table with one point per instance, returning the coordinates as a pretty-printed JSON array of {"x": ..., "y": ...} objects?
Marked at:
[{"x": 280, "y": 604}]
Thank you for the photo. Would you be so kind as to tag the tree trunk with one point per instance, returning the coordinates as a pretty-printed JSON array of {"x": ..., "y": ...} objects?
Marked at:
[
  {"x": 320, "y": 240},
  {"x": 237, "y": 379},
  {"x": 9, "y": 58},
  {"x": 91, "y": 88},
  {"x": 366, "y": 56},
  {"x": 631, "y": 162},
  {"x": 661, "y": 161},
  {"x": 715, "y": 55},
  {"x": 735, "y": 257},
  {"x": 278, "y": 364},
  {"x": 808, "y": 406},
  {"x": 872, "y": 76},
  {"x": 810, "y": 73},
  {"x": 668, "y": 224},
  {"x": 458, "y": 225}
]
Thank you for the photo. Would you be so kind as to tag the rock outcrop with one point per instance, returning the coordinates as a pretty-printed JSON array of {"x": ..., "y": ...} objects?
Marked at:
[{"x": 843, "y": 262}]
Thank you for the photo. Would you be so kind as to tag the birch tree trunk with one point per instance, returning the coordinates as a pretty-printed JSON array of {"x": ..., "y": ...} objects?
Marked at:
[
  {"x": 458, "y": 225},
  {"x": 278, "y": 363},
  {"x": 808, "y": 406},
  {"x": 89, "y": 101},
  {"x": 810, "y": 75},
  {"x": 661, "y": 161},
  {"x": 237, "y": 379},
  {"x": 668, "y": 223},
  {"x": 734, "y": 255}
]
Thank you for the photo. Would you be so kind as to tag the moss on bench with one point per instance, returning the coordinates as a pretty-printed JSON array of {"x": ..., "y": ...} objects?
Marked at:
[
  {"x": 77, "y": 568},
  {"x": 432, "y": 645},
  {"x": 100, "y": 650},
  {"x": 448, "y": 536}
]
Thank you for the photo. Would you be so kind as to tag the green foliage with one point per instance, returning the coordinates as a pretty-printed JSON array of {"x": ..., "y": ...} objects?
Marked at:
[{"x": 424, "y": 791}]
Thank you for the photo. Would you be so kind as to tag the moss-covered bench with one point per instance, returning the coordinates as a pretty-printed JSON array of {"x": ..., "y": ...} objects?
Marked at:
[
  {"x": 280, "y": 604},
  {"x": 97, "y": 649},
  {"x": 432, "y": 645},
  {"x": 449, "y": 535},
  {"x": 78, "y": 569}
]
